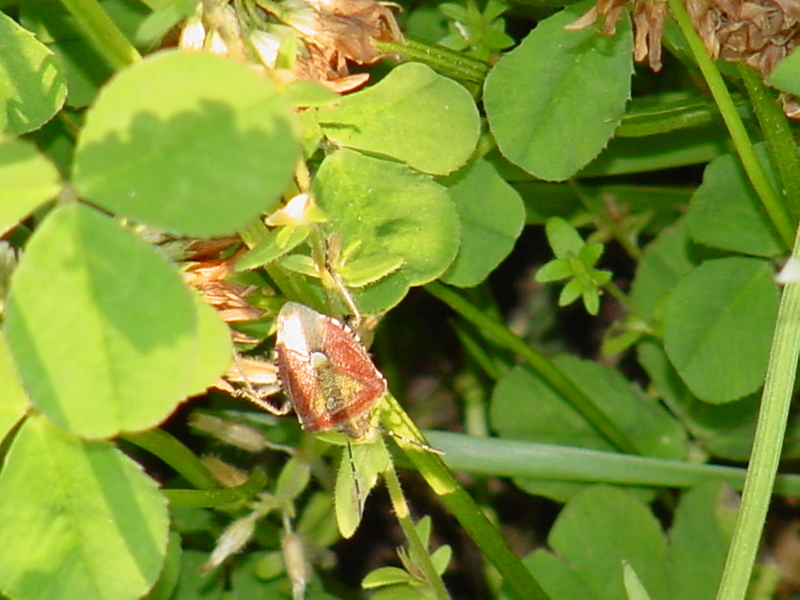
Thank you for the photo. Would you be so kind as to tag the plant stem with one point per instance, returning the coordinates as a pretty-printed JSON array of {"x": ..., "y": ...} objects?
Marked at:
[
  {"x": 439, "y": 58},
  {"x": 170, "y": 450},
  {"x": 499, "y": 457},
  {"x": 623, "y": 298},
  {"x": 403, "y": 515},
  {"x": 770, "y": 430},
  {"x": 472, "y": 394},
  {"x": 478, "y": 353},
  {"x": 542, "y": 365},
  {"x": 782, "y": 366},
  {"x": 766, "y": 193},
  {"x": 519, "y": 581},
  {"x": 103, "y": 32},
  {"x": 223, "y": 497},
  {"x": 777, "y": 134}
]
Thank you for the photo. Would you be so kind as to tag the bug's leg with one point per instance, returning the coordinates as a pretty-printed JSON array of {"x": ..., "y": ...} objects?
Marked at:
[
  {"x": 331, "y": 277},
  {"x": 267, "y": 385},
  {"x": 259, "y": 398}
]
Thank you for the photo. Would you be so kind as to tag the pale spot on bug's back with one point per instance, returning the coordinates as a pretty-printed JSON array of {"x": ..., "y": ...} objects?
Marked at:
[{"x": 319, "y": 360}]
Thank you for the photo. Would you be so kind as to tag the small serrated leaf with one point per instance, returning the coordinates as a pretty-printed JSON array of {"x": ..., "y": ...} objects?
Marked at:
[
  {"x": 363, "y": 272},
  {"x": 300, "y": 263},
  {"x": 272, "y": 247},
  {"x": 358, "y": 473}
]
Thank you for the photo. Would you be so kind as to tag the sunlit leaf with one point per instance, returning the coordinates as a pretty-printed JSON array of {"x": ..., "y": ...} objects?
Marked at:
[
  {"x": 32, "y": 83},
  {"x": 104, "y": 333},
  {"x": 554, "y": 101},
  {"x": 190, "y": 143},
  {"x": 81, "y": 515},
  {"x": 413, "y": 115}
]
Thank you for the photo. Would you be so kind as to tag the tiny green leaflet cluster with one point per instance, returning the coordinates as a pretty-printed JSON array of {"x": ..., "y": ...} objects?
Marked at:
[{"x": 575, "y": 260}]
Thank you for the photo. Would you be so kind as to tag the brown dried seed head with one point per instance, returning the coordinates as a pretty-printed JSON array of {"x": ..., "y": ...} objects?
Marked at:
[{"x": 758, "y": 32}]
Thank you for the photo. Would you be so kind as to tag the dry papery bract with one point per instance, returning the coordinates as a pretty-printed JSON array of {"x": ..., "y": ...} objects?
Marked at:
[
  {"x": 325, "y": 33},
  {"x": 207, "y": 267},
  {"x": 208, "y": 275},
  {"x": 758, "y": 32}
]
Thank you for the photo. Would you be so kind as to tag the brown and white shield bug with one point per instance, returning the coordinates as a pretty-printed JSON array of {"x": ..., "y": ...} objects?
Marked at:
[{"x": 326, "y": 372}]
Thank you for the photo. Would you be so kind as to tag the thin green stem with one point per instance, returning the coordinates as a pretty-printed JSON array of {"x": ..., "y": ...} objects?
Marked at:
[
  {"x": 778, "y": 135},
  {"x": 775, "y": 402},
  {"x": 403, "y": 515},
  {"x": 505, "y": 338},
  {"x": 499, "y": 457},
  {"x": 112, "y": 44},
  {"x": 766, "y": 193},
  {"x": 623, "y": 298},
  {"x": 439, "y": 58},
  {"x": 519, "y": 581},
  {"x": 223, "y": 497},
  {"x": 478, "y": 353},
  {"x": 170, "y": 450},
  {"x": 473, "y": 396}
]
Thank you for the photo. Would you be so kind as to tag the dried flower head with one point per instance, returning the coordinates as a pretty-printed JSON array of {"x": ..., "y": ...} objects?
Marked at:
[
  {"x": 329, "y": 34},
  {"x": 207, "y": 273},
  {"x": 758, "y": 32}
]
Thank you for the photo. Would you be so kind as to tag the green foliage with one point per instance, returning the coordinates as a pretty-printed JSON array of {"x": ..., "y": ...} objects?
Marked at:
[
  {"x": 725, "y": 211},
  {"x": 128, "y": 169},
  {"x": 488, "y": 229},
  {"x": 195, "y": 114},
  {"x": 553, "y": 135},
  {"x": 80, "y": 514},
  {"x": 406, "y": 583},
  {"x": 523, "y": 406},
  {"x": 729, "y": 302},
  {"x": 685, "y": 565},
  {"x": 359, "y": 468},
  {"x": 482, "y": 32},
  {"x": 575, "y": 261},
  {"x": 80, "y": 267},
  {"x": 392, "y": 211},
  {"x": 784, "y": 77},
  {"x": 392, "y": 117},
  {"x": 28, "y": 180},
  {"x": 32, "y": 86}
]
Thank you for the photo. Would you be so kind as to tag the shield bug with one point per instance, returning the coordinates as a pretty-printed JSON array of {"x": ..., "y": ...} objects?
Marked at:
[
  {"x": 333, "y": 385},
  {"x": 326, "y": 372}
]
